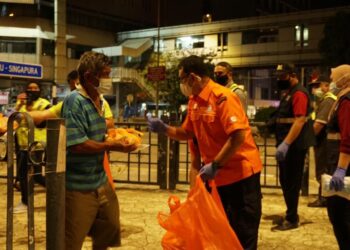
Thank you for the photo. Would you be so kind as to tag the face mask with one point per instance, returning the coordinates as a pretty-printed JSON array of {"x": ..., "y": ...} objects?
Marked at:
[
  {"x": 186, "y": 90},
  {"x": 222, "y": 79},
  {"x": 283, "y": 84},
  {"x": 318, "y": 93},
  {"x": 105, "y": 85},
  {"x": 32, "y": 96}
]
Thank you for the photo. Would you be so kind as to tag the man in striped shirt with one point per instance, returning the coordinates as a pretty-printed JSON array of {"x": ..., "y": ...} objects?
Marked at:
[{"x": 91, "y": 204}]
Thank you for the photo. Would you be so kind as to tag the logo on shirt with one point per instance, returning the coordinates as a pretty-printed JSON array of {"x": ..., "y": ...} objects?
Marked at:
[
  {"x": 233, "y": 119},
  {"x": 209, "y": 109},
  {"x": 195, "y": 106}
]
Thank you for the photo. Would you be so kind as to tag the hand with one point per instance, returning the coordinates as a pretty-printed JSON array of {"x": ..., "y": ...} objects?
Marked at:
[
  {"x": 337, "y": 181},
  {"x": 157, "y": 125},
  {"x": 120, "y": 146},
  {"x": 208, "y": 171},
  {"x": 282, "y": 150}
]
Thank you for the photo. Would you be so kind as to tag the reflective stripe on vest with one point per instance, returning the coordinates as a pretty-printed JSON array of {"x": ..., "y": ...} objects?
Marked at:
[
  {"x": 233, "y": 87},
  {"x": 330, "y": 95},
  {"x": 333, "y": 136}
]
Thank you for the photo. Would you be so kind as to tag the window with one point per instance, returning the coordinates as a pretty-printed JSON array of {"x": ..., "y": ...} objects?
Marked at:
[
  {"x": 259, "y": 36},
  {"x": 76, "y": 50},
  {"x": 190, "y": 42},
  {"x": 222, "y": 39},
  {"x": 301, "y": 35},
  {"x": 17, "y": 45},
  {"x": 48, "y": 47}
]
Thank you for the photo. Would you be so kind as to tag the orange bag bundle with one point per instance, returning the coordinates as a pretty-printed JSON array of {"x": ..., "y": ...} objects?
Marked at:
[
  {"x": 3, "y": 123},
  {"x": 128, "y": 135},
  {"x": 199, "y": 223}
]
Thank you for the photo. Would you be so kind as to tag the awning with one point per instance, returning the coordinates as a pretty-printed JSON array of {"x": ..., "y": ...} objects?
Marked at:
[{"x": 130, "y": 47}]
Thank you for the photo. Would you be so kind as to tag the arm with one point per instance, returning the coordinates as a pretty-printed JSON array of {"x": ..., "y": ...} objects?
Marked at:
[
  {"x": 344, "y": 160},
  {"x": 178, "y": 133},
  {"x": 90, "y": 146},
  {"x": 40, "y": 116},
  {"x": 318, "y": 127},
  {"x": 295, "y": 129},
  {"x": 110, "y": 123}
]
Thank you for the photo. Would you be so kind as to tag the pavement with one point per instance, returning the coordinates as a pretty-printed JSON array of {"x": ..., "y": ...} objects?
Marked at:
[{"x": 140, "y": 204}]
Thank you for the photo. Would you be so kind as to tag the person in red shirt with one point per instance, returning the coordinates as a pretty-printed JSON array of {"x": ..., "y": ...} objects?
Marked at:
[
  {"x": 217, "y": 120},
  {"x": 294, "y": 136},
  {"x": 338, "y": 145}
]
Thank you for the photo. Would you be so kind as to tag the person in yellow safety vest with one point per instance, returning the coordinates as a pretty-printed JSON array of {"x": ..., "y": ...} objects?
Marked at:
[
  {"x": 223, "y": 75},
  {"x": 29, "y": 101},
  {"x": 55, "y": 112},
  {"x": 325, "y": 99}
]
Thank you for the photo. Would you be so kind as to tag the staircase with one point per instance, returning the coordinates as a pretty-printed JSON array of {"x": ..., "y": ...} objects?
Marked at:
[{"x": 130, "y": 75}]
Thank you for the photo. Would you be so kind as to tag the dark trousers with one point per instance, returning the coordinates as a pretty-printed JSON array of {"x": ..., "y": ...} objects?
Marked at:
[
  {"x": 339, "y": 214},
  {"x": 22, "y": 166},
  {"x": 291, "y": 173},
  {"x": 242, "y": 204}
]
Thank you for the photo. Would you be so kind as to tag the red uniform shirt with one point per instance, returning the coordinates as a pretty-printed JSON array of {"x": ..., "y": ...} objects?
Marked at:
[
  {"x": 212, "y": 116},
  {"x": 299, "y": 103}
]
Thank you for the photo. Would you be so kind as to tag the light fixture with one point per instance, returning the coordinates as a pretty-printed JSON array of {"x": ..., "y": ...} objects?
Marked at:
[{"x": 11, "y": 14}]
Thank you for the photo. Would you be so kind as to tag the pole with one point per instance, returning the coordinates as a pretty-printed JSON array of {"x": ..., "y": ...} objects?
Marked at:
[
  {"x": 55, "y": 189},
  {"x": 158, "y": 52}
]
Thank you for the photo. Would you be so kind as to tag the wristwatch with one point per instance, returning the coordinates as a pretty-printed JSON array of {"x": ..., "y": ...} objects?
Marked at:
[{"x": 215, "y": 165}]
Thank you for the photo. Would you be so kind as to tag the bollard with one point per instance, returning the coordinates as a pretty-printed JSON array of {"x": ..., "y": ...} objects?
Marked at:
[{"x": 55, "y": 187}]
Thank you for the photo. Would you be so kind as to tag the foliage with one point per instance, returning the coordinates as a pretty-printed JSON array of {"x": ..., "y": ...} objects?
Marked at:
[
  {"x": 169, "y": 90},
  {"x": 334, "y": 46}
]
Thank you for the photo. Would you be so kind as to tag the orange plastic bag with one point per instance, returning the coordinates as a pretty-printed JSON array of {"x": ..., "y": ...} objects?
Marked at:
[
  {"x": 199, "y": 223},
  {"x": 108, "y": 170}
]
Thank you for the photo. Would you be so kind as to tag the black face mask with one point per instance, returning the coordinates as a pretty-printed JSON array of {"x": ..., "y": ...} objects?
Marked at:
[
  {"x": 32, "y": 96},
  {"x": 283, "y": 84},
  {"x": 222, "y": 79}
]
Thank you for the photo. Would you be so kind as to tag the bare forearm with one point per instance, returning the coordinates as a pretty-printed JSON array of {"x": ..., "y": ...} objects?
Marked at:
[
  {"x": 231, "y": 146},
  {"x": 295, "y": 130},
  {"x": 178, "y": 133},
  {"x": 89, "y": 147},
  {"x": 318, "y": 127},
  {"x": 344, "y": 160}
]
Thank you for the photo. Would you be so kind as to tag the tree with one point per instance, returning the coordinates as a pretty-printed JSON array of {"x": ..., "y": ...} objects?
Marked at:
[{"x": 334, "y": 46}]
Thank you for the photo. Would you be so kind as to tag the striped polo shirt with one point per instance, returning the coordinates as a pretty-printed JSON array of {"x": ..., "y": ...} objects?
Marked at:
[{"x": 83, "y": 122}]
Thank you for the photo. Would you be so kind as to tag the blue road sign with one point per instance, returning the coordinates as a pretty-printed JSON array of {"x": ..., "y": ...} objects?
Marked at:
[{"x": 21, "y": 70}]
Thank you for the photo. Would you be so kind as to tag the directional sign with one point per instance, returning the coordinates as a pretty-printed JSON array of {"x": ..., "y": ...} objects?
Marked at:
[
  {"x": 21, "y": 70},
  {"x": 156, "y": 73}
]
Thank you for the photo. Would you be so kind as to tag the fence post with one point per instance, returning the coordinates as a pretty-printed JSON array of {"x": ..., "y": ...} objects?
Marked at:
[
  {"x": 173, "y": 164},
  {"x": 162, "y": 160},
  {"x": 55, "y": 189}
]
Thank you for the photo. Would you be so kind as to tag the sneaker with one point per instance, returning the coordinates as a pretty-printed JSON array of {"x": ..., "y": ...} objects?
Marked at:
[
  {"x": 285, "y": 225},
  {"x": 318, "y": 203},
  {"x": 20, "y": 208}
]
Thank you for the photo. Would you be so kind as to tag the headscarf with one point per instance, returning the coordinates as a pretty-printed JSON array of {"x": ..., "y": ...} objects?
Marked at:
[{"x": 340, "y": 75}]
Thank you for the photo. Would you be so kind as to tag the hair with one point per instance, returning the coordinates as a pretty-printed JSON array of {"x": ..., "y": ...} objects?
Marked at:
[
  {"x": 194, "y": 64},
  {"x": 93, "y": 62},
  {"x": 225, "y": 65},
  {"x": 73, "y": 75}
]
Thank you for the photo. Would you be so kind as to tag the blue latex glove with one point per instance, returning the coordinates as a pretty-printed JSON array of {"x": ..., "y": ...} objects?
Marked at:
[
  {"x": 337, "y": 181},
  {"x": 208, "y": 172},
  {"x": 156, "y": 125},
  {"x": 282, "y": 150}
]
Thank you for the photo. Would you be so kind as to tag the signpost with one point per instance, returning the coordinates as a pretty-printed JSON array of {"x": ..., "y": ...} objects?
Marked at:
[
  {"x": 156, "y": 74},
  {"x": 13, "y": 69}
]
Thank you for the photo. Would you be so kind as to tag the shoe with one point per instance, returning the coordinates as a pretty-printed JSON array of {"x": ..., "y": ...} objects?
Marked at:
[
  {"x": 278, "y": 220},
  {"x": 20, "y": 208},
  {"x": 318, "y": 203},
  {"x": 285, "y": 225}
]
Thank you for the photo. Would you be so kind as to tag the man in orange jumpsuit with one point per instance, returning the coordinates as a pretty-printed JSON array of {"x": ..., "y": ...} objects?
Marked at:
[{"x": 216, "y": 118}]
